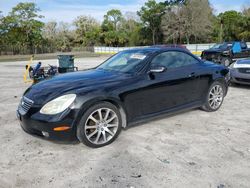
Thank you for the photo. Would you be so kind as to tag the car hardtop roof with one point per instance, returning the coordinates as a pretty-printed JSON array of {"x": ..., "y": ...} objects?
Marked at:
[{"x": 156, "y": 49}]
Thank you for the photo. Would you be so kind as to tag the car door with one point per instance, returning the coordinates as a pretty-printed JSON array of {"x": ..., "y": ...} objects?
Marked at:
[{"x": 172, "y": 88}]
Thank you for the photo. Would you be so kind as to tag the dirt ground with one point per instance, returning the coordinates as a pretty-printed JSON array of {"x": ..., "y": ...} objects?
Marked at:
[{"x": 191, "y": 149}]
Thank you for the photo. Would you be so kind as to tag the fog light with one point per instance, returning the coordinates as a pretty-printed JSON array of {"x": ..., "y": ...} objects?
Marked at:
[
  {"x": 45, "y": 134},
  {"x": 63, "y": 128}
]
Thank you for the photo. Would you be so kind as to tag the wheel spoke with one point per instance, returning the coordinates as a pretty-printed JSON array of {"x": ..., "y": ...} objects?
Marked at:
[
  {"x": 104, "y": 136},
  {"x": 111, "y": 119},
  {"x": 92, "y": 134},
  {"x": 100, "y": 114},
  {"x": 212, "y": 103},
  {"x": 110, "y": 132},
  {"x": 97, "y": 137},
  {"x": 107, "y": 114},
  {"x": 112, "y": 125},
  {"x": 93, "y": 119},
  {"x": 211, "y": 93},
  {"x": 91, "y": 127}
]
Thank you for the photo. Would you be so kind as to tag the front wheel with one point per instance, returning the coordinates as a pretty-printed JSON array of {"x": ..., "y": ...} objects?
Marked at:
[
  {"x": 100, "y": 125},
  {"x": 215, "y": 97}
]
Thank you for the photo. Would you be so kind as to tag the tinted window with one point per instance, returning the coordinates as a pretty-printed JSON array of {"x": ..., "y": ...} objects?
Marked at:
[{"x": 173, "y": 59}]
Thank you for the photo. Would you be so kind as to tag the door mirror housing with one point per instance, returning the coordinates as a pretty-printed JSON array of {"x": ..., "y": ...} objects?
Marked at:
[{"x": 159, "y": 69}]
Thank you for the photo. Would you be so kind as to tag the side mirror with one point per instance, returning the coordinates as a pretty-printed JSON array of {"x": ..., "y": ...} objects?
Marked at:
[{"x": 157, "y": 69}]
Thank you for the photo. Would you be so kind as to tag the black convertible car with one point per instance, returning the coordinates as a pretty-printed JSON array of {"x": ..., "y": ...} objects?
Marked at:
[{"x": 131, "y": 86}]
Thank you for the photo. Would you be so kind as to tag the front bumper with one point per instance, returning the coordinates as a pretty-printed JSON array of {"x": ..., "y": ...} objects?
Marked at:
[
  {"x": 45, "y": 129},
  {"x": 240, "y": 78}
]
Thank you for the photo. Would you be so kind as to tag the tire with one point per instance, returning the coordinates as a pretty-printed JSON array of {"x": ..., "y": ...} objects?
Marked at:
[
  {"x": 215, "y": 97},
  {"x": 226, "y": 61},
  {"x": 96, "y": 132}
]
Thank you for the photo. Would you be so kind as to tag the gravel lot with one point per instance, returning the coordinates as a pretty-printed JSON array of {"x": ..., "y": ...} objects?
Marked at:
[{"x": 191, "y": 149}]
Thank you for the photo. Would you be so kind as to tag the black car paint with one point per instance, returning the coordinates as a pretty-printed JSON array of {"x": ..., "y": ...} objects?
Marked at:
[{"x": 139, "y": 96}]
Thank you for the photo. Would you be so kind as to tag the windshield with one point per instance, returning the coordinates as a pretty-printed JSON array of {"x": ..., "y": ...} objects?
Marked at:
[
  {"x": 222, "y": 46},
  {"x": 126, "y": 62}
]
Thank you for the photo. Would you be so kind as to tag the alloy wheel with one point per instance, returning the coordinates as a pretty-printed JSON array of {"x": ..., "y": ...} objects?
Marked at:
[
  {"x": 101, "y": 126},
  {"x": 215, "y": 97}
]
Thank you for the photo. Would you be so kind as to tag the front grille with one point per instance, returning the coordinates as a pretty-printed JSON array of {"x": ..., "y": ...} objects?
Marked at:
[
  {"x": 25, "y": 105},
  {"x": 244, "y": 70},
  {"x": 243, "y": 80}
]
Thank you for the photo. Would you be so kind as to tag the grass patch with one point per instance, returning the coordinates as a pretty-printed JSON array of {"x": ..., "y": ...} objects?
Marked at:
[{"x": 8, "y": 58}]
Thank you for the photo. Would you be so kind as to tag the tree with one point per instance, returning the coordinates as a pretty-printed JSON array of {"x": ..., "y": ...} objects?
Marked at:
[
  {"x": 23, "y": 27},
  {"x": 246, "y": 11},
  {"x": 198, "y": 23},
  {"x": 189, "y": 21},
  {"x": 49, "y": 33},
  {"x": 1, "y": 32},
  {"x": 150, "y": 15},
  {"x": 65, "y": 37},
  {"x": 131, "y": 26},
  {"x": 232, "y": 24},
  {"x": 87, "y": 30},
  {"x": 113, "y": 34},
  {"x": 174, "y": 2},
  {"x": 245, "y": 34},
  {"x": 112, "y": 19}
]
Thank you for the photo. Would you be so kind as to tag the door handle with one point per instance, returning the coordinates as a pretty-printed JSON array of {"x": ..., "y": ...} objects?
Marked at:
[{"x": 192, "y": 75}]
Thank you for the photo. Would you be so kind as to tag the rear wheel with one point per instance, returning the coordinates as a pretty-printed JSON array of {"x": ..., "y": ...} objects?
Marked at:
[
  {"x": 214, "y": 97},
  {"x": 100, "y": 125}
]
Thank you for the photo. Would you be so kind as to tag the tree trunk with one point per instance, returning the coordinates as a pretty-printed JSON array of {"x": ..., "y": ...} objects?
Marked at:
[
  {"x": 153, "y": 36},
  {"x": 187, "y": 39}
]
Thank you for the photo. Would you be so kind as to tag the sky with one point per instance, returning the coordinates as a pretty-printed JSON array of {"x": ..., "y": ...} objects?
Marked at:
[{"x": 68, "y": 10}]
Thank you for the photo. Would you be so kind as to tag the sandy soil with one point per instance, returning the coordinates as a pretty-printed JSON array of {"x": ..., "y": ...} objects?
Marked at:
[{"x": 191, "y": 149}]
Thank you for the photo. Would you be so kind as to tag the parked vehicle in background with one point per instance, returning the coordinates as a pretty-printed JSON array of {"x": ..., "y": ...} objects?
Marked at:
[
  {"x": 130, "y": 87},
  {"x": 39, "y": 72},
  {"x": 240, "y": 72},
  {"x": 226, "y": 53}
]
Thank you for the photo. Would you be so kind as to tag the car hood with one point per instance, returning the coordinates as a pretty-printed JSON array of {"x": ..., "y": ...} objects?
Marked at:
[
  {"x": 74, "y": 82},
  {"x": 236, "y": 66}
]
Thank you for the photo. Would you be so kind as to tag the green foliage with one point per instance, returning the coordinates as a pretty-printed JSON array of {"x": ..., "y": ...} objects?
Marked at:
[
  {"x": 22, "y": 27},
  {"x": 150, "y": 15},
  {"x": 111, "y": 20},
  {"x": 87, "y": 31},
  {"x": 171, "y": 21},
  {"x": 231, "y": 20}
]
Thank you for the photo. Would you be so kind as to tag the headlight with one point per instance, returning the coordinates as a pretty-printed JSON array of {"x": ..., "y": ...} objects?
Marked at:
[
  {"x": 58, "y": 105},
  {"x": 232, "y": 65}
]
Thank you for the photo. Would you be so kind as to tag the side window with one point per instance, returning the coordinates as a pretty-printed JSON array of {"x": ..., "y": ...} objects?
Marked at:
[
  {"x": 243, "y": 45},
  {"x": 173, "y": 59}
]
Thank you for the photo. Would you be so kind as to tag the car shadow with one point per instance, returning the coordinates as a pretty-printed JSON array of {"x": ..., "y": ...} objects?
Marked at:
[
  {"x": 241, "y": 86},
  {"x": 60, "y": 142}
]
